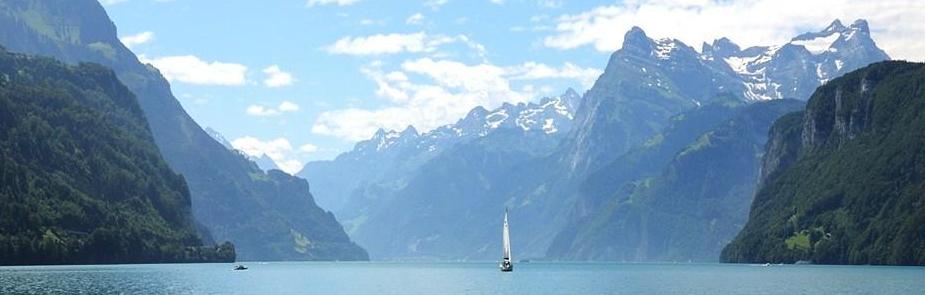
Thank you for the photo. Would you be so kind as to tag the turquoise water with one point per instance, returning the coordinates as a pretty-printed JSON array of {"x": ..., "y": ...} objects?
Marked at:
[{"x": 460, "y": 278}]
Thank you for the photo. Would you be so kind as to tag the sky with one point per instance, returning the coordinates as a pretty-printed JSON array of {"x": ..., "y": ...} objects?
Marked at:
[{"x": 304, "y": 80}]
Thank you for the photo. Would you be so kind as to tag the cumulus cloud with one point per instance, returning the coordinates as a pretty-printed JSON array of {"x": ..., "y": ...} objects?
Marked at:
[
  {"x": 428, "y": 93},
  {"x": 279, "y": 150},
  {"x": 137, "y": 39},
  {"x": 550, "y": 3},
  {"x": 193, "y": 70},
  {"x": 308, "y": 148},
  {"x": 312, "y": 3},
  {"x": 895, "y": 24},
  {"x": 450, "y": 90},
  {"x": 534, "y": 71},
  {"x": 435, "y": 4},
  {"x": 264, "y": 111},
  {"x": 277, "y": 77},
  {"x": 415, "y": 19},
  {"x": 380, "y": 44}
]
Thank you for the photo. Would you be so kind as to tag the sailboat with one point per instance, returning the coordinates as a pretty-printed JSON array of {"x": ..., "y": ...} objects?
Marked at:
[{"x": 506, "y": 262}]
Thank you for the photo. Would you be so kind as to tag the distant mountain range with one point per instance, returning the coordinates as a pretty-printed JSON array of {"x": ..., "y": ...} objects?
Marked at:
[
  {"x": 390, "y": 155},
  {"x": 267, "y": 215},
  {"x": 641, "y": 140}
]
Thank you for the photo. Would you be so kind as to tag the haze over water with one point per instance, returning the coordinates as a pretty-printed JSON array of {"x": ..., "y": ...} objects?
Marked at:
[{"x": 460, "y": 278}]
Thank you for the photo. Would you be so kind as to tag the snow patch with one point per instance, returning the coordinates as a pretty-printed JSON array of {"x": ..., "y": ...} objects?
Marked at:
[
  {"x": 817, "y": 45},
  {"x": 493, "y": 120},
  {"x": 664, "y": 47},
  {"x": 549, "y": 126}
]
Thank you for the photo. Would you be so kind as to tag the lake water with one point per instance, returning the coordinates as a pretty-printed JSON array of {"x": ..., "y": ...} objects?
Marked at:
[{"x": 460, "y": 278}]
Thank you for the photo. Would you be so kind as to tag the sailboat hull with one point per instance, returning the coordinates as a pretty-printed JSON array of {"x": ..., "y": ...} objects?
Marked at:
[{"x": 507, "y": 266}]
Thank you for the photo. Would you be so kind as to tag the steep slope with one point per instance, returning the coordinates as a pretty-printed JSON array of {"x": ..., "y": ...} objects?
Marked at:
[
  {"x": 693, "y": 206},
  {"x": 844, "y": 182},
  {"x": 82, "y": 180},
  {"x": 597, "y": 156},
  {"x": 647, "y": 81},
  {"x": 231, "y": 196},
  {"x": 648, "y": 159}
]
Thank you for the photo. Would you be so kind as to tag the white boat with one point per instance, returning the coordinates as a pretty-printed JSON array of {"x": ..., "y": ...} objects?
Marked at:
[{"x": 507, "y": 263}]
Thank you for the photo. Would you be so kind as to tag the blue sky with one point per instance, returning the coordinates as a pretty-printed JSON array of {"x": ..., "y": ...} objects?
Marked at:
[{"x": 303, "y": 80}]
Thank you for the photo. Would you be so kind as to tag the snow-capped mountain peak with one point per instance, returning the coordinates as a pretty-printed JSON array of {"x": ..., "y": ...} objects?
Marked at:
[
  {"x": 774, "y": 72},
  {"x": 550, "y": 116}
]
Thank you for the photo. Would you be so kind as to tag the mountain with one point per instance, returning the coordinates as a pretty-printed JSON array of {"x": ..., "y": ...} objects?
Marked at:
[
  {"x": 645, "y": 83},
  {"x": 383, "y": 159},
  {"x": 796, "y": 68},
  {"x": 401, "y": 187},
  {"x": 218, "y": 137},
  {"x": 655, "y": 99},
  {"x": 842, "y": 182},
  {"x": 82, "y": 179},
  {"x": 619, "y": 115},
  {"x": 648, "y": 80},
  {"x": 680, "y": 197},
  {"x": 232, "y": 198}
]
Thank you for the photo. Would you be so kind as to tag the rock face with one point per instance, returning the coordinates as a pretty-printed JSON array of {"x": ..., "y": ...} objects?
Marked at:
[
  {"x": 231, "y": 196},
  {"x": 82, "y": 180},
  {"x": 842, "y": 182}
]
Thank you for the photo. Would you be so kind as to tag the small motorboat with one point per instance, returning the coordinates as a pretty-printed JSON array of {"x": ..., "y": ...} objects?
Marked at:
[{"x": 240, "y": 267}]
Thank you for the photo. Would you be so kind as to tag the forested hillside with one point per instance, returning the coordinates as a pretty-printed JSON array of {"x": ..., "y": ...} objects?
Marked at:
[
  {"x": 81, "y": 180},
  {"x": 844, "y": 181}
]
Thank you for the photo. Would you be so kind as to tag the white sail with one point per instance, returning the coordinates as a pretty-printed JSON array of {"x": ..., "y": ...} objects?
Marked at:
[{"x": 506, "y": 239}]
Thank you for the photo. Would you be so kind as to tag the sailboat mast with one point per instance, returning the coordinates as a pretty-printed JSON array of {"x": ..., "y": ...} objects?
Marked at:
[{"x": 506, "y": 238}]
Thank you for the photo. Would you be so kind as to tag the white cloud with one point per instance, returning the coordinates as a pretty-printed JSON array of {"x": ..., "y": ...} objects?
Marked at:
[
  {"x": 895, "y": 24},
  {"x": 371, "y": 22},
  {"x": 308, "y": 148},
  {"x": 498, "y": 2},
  {"x": 279, "y": 150},
  {"x": 550, "y": 3},
  {"x": 263, "y": 111},
  {"x": 415, "y": 19},
  {"x": 388, "y": 44},
  {"x": 435, "y": 4},
  {"x": 312, "y": 3},
  {"x": 450, "y": 90},
  {"x": 137, "y": 39},
  {"x": 533, "y": 71},
  {"x": 288, "y": 106},
  {"x": 191, "y": 69},
  {"x": 276, "y": 77}
]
